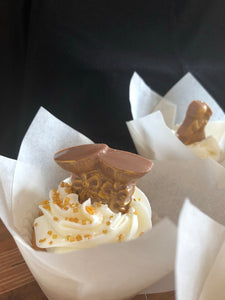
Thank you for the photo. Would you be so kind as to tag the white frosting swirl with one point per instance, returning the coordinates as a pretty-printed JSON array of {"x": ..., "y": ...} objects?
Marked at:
[{"x": 68, "y": 225}]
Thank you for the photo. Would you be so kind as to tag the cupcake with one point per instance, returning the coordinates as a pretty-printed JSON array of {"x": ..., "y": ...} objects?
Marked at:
[
  {"x": 99, "y": 203},
  {"x": 112, "y": 271},
  {"x": 193, "y": 132}
]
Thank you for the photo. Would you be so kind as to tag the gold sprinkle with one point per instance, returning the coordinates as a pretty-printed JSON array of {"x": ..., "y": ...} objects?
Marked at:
[
  {"x": 59, "y": 205},
  {"x": 87, "y": 236},
  {"x": 54, "y": 191},
  {"x": 134, "y": 199},
  {"x": 68, "y": 190},
  {"x": 49, "y": 232},
  {"x": 68, "y": 237},
  {"x": 141, "y": 233},
  {"x": 139, "y": 199},
  {"x": 54, "y": 236},
  {"x": 111, "y": 217},
  {"x": 42, "y": 240},
  {"x": 135, "y": 213},
  {"x": 90, "y": 210},
  {"x": 56, "y": 200},
  {"x": 105, "y": 231},
  {"x": 98, "y": 204},
  {"x": 75, "y": 220},
  {"x": 67, "y": 200},
  {"x": 120, "y": 237},
  {"x": 76, "y": 205},
  {"x": 75, "y": 210},
  {"x": 36, "y": 224},
  {"x": 66, "y": 218},
  {"x": 72, "y": 205},
  {"x": 78, "y": 237},
  {"x": 108, "y": 223},
  {"x": 66, "y": 184},
  {"x": 72, "y": 239},
  {"x": 44, "y": 202},
  {"x": 51, "y": 242},
  {"x": 47, "y": 206},
  {"x": 65, "y": 207},
  {"x": 55, "y": 219},
  {"x": 84, "y": 222}
]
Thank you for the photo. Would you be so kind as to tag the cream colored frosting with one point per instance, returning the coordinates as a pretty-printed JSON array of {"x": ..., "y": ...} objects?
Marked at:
[
  {"x": 207, "y": 148},
  {"x": 210, "y": 147},
  {"x": 68, "y": 225}
]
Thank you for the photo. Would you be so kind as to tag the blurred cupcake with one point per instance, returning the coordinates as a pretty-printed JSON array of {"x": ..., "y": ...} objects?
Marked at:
[{"x": 156, "y": 119}]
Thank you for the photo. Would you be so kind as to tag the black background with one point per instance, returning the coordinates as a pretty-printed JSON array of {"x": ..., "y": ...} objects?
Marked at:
[{"x": 76, "y": 59}]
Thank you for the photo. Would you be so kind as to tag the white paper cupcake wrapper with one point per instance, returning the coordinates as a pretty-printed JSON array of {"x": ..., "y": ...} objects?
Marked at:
[{"x": 200, "y": 255}]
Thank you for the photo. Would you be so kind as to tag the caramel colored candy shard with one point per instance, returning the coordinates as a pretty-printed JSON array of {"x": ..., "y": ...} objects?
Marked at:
[
  {"x": 193, "y": 127},
  {"x": 34, "y": 245},
  {"x": 103, "y": 174}
]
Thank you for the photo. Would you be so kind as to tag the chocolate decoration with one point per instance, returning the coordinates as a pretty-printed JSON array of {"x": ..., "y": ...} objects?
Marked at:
[
  {"x": 103, "y": 174},
  {"x": 193, "y": 127}
]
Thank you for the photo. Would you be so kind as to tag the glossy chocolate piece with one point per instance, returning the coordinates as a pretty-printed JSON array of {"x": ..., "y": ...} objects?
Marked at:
[
  {"x": 193, "y": 127},
  {"x": 103, "y": 174}
]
